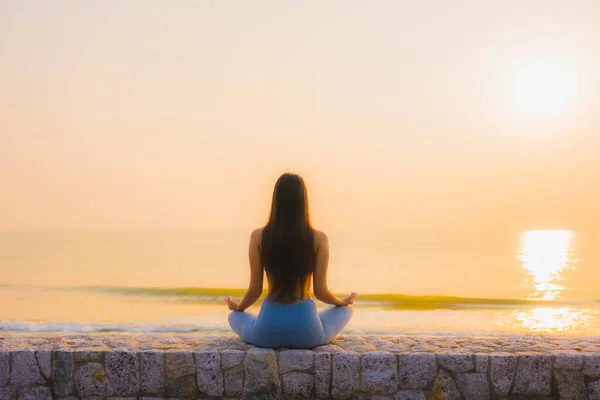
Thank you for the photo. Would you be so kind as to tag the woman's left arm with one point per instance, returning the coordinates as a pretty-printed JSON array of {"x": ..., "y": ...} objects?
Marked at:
[{"x": 256, "y": 275}]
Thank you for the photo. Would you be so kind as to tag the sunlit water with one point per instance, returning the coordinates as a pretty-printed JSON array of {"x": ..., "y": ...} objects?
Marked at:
[{"x": 540, "y": 282}]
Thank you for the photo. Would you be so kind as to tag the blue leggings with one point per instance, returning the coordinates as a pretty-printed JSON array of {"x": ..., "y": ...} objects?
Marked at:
[{"x": 296, "y": 326}]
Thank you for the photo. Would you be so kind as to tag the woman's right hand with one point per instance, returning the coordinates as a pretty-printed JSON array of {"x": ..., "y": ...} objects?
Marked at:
[
  {"x": 233, "y": 305},
  {"x": 349, "y": 299}
]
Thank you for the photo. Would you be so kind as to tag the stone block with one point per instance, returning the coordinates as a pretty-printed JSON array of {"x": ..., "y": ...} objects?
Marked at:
[
  {"x": 180, "y": 372},
  {"x": 456, "y": 362},
  {"x": 182, "y": 387},
  {"x": 24, "y": 369},
  {"x": 232, "y": 358},
  {"x": 152, "y": 370},
  {"x": 35, "y": 393},
  {"x": 122, "y": 367},
  {"x": 593, "y": 390},
  {"x": 262, "y": 375},
  {"x": 208, "y": 373},
  {"x": 473, "y": 386},
  {"x": 502, "y": 372},
  {"x": 416, "y": 370},
  {"x": 92, "y": 379},
  {"x": 322, "y": 374},
  {"x": 379, "y": 373},
  {"x": 410, "y": 395},
  {"x": 346, "y": 374},
  {"x": 62, "y": 372},
  {"x": 444, "y": 387},
  {"x": 297, "y": 385},
  {"x": 568, "y": 360},
  {"x": 233, "y": 381},
  {"x": 295, "y": 360},
  {"x": 4, "y": 367},
  {"x": 179, "y": 363},
  {"x": 591, "y": 365},
  {"x": 570, "y": 384},
  {"x": 534, "y": 374},
  {"x": 8, "y": 394},
  {"x": 481, "y": 363},
  {"x": 83, "y": 354},
  {"x": 44, "y": 359}
]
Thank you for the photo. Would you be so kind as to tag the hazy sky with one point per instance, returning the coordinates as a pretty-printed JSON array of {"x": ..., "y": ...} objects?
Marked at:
[{"x": 402, "y": 115}]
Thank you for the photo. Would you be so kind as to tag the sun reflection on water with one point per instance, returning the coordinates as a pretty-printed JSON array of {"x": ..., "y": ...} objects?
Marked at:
[
  {"x": 545, "y": 254},
  {"x": 554, "y": 319}
]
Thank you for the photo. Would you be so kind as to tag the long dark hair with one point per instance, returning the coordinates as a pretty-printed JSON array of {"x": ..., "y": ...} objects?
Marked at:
[{"x": 287, "y": 250}]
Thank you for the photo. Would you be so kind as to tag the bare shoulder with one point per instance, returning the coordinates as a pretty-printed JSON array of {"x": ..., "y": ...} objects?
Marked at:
[
  {"x": 321, "y": 238},
  {"x": 256, "y": 236}
]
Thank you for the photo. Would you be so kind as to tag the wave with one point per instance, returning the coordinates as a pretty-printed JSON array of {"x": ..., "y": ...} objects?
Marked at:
[
  {"x": 23, "y": 327},
  {"x": 390, "y": 301},
  {"x": 29, "y": 326}
]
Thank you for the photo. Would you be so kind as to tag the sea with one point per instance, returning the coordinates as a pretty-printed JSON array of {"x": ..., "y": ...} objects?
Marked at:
[{"x": 529, "y": 283}]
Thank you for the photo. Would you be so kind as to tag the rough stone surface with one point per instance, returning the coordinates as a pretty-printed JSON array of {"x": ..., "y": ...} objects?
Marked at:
[
  {"x": 152, "y": 369},
  {"x": 123, "y": 369},
  {"x": 416, "y": 370},
  {"x": 44, "y": 359},
  {"x": 184, "y": 386},
  {"x": 568, "y": 360},
  {"x": 570, "y": 384},
  {"x": 179, "y": 363},
  {"x": 594, "y": 390},
  {"x": 457, "y": 362},
  {"x": 208, "y": 372},
  {"x": 4, "y": 367},
  {"x": 444, "y": 388},
  {"x": 83, "y": 354},
  {"x": 8, "y": 394},
  {"x": 233, "y": 381},
  {"x": 322, "y": 374},
  {"x": 180, "y": 370},
  {"x": 92, "y": 379},
  {"x": 62, "y": 372},
  {"x": 410, "y": 395},
  {"x": 591, "y": 365},
  {"x": 346, "y": 374},
  {"x": 297, "y": 384},
  {"x": 481, "y": 362},
  {"x": 379, "y": 373},
  {"x": 473, "y": 386},
  {"x": 502, "y": 371},
  {"x": 232, "y": 358},
  {"x": 184, "y": 366},
  {"x": 368, "y": 343},
  {"x": 24, "y": 369},
  {"x": 295, "y": 360},
  {"x": 262, "y": 375},
  {"x": 534, "y": 374},
  {"x": 36, "y": 393}
]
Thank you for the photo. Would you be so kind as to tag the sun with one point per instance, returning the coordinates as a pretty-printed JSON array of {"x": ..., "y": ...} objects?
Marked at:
[{"x": 543, "y": 87}]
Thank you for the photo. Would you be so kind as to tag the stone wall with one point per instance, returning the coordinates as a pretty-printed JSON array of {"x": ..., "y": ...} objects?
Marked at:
[{"x": 396, "y": 368}]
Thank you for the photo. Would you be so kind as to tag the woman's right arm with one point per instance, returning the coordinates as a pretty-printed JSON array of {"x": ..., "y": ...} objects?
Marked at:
[{"x": 320, "y": 287}]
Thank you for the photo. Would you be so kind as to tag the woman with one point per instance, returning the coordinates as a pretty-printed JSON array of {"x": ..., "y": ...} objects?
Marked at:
[{"x": 291, "y": 253}]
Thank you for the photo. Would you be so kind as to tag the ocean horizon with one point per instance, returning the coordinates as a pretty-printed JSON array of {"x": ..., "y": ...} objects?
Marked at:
[{"x": 176, "y": 282}]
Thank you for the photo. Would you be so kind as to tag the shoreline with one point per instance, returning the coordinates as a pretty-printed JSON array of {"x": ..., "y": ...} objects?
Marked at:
[{"x": 14, "y": 340}]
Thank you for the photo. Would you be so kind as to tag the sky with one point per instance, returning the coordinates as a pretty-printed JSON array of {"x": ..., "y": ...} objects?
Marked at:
[{"x": 404, "y": 116}]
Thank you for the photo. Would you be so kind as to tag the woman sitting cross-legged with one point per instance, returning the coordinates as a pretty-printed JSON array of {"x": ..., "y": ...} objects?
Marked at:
[{"x": 291, "y": 253}]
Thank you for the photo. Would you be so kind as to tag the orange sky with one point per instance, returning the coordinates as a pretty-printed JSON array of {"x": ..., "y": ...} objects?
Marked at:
[{"x": 180, "y": 116}]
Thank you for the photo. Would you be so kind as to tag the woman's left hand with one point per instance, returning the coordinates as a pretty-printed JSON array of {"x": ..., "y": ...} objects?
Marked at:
[{"x": 233, "y": 305}]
